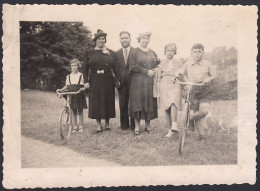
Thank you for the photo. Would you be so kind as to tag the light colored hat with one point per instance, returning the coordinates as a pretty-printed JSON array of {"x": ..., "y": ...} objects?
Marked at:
[{"x": 144, "y": 34}]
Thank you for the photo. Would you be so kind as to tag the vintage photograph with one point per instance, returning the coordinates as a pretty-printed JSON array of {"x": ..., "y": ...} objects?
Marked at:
[
  {"x": 128, "y": 86},
  {"x": 156, "y": 101}
]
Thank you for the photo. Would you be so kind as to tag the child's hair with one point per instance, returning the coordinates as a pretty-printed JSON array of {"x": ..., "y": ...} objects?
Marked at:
[
  {"x": 197, "y": 46},
  {"x": 170, "y": 45},
  {"x": 75, "y": 61}
]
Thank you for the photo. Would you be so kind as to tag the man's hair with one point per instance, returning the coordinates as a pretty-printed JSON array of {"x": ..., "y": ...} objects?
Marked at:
[
  {"x": 197, "y": 46},
  {"x": 124, "y": 32}
]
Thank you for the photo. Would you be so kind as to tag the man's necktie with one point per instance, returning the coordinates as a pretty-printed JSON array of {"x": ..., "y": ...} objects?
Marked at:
[{"x": 125, "y": 55}]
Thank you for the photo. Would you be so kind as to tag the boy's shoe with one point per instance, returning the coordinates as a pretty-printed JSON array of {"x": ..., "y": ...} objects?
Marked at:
[
  {"x": 192, "y": 125},
  {"x": 81, "y": 129}
]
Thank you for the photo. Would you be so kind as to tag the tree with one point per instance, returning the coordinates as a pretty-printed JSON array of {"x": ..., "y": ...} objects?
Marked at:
[{"x": 46, "y": 49}]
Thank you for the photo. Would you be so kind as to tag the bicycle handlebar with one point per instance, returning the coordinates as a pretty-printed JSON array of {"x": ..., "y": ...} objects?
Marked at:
[
  {"x": 69, "y": 93},
  {"x": 190, "y": 83}
]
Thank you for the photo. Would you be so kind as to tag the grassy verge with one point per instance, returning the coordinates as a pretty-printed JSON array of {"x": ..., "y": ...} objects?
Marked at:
[{"x": 40, "y": 114}]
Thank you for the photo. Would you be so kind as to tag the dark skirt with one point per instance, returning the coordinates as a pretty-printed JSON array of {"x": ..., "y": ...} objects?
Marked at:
[
  {"x": 150, "y": 115},
  {"x": 102, "y": 96},
  {"x": 142, "y": 103},
  {"x": 77, "y": 101}
]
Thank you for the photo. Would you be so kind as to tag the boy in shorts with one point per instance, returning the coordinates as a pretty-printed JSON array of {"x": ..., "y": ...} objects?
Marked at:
[{"x": 199, "y": 71}]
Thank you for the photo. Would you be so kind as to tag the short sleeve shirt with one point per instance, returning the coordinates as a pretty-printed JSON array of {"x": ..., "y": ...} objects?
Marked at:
[{"x": 198, "y": 71}]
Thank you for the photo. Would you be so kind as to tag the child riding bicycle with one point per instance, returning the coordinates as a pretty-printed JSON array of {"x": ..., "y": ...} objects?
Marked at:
[
  {"x": 199, "y": 71},
  {"x": 75, "y": 82}
]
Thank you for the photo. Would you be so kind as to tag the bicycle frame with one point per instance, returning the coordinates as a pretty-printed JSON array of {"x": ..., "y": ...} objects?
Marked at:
[
  {"x": 189, "y": 87},
  {"x": 184, "y": 121},
  {"x": 69, "y": 97}
]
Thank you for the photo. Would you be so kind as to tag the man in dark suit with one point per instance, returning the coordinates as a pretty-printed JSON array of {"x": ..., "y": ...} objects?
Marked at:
[{"x": 124, "y": 55}]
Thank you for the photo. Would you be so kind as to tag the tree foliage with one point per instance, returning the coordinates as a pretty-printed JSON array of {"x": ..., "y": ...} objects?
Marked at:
[
  {"x": 225, "y": 61},
  {"x": 46, "y": 49}
]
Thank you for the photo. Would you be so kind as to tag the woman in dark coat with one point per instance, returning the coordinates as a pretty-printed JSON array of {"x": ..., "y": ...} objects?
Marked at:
[
  {"x": 142, "y": 103},
  {"x": 102, "y": 63}
]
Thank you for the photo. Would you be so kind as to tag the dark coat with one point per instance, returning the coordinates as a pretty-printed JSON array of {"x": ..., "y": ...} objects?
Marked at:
[
  {"x": 123, "y": 91},
  {"x": 124, "y": 67},
  {"x": 102, "y": 87}
]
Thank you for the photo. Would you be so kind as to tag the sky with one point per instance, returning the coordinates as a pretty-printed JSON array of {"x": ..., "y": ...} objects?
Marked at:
[
  {"x": 183, "y": 25},
  {"x": 213, "y": 26}
]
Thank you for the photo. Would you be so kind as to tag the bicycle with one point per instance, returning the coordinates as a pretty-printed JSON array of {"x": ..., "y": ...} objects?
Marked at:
[
  {"x": 65, "y": 114},
  {"x": 185, "y": 115}
]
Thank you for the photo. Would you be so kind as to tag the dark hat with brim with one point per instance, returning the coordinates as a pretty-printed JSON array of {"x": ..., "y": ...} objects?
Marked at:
[{"x": 99, "y": 34}]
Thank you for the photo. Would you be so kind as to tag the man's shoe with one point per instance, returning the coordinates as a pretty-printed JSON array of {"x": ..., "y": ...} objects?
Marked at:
[{"x": 202, "y": 138}]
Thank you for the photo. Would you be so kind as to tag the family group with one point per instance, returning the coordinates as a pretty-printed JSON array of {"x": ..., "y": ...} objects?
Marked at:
[{"x": 143, "y": 81}]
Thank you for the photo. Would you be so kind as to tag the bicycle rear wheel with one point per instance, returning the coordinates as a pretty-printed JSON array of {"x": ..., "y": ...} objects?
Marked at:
[
  {"x": 64, "y": 123},
  {"x": 182, "y": 127}
]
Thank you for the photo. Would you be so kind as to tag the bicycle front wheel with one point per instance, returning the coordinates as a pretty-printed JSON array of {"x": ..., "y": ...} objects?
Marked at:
[
  {"x": 64, "y": 124},
  {"x": 182, "y": 127}
]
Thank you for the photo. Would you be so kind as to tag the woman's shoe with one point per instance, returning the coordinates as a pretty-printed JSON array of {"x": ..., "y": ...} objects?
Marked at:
[
  {"x": 74, "y": 129},
  {"x": 107, "y": 128},
  {"x": 169, "y": 134},
  {"x": 99, "y": 130},
  {"x": 81, "y": 129},
  {"x": 150, "y": 131}
]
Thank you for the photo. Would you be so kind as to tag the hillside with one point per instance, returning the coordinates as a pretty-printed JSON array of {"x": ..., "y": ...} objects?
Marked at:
[{"x": 225, "y": 91}]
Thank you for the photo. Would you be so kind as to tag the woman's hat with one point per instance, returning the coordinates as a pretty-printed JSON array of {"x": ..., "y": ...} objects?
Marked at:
[
  {"x": 99, "y": 34},
  {"x": 144, "y": 34}
]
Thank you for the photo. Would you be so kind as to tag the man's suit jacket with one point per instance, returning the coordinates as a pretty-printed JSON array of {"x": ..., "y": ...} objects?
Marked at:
[{"x": 124, "y": 67}]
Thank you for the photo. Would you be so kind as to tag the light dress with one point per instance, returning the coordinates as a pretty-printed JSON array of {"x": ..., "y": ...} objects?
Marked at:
[{"x": 170, "y": 92}]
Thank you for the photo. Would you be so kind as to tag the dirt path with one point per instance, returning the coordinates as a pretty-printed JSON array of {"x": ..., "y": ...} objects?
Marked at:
[{"x": 37, "y": 154}]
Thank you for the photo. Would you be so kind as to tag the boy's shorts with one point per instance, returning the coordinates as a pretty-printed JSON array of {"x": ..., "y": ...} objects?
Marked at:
[{"x": 200, "y": 94}]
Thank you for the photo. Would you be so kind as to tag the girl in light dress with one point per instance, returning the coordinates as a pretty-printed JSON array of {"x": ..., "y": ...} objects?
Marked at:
[
  {"x": 74, "y": 82},
  {"x": 170, "y": 91}
]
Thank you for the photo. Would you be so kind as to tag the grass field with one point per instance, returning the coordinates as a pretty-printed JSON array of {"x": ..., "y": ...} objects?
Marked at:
[{"x": 40, "y": 116}]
